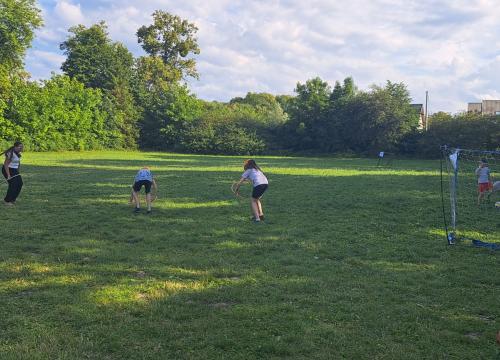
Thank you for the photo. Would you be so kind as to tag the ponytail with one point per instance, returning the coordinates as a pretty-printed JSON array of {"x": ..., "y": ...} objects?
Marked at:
[
  {"x": 11, "y": 149},
  {"x": 251, "y": 164}
]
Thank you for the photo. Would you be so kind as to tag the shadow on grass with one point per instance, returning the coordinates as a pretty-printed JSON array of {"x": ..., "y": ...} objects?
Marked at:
[
  {"x": 339, "y": 258},
  {"x": 212, "y": 163}
]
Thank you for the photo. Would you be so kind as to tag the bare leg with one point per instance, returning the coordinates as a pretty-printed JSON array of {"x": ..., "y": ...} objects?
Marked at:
[
  {"x": 137, "y": 200},
  {"x": 255, "y": 209},
  {"x": 479, "y": 198},
  {"x": 259, "y": 204},
  {"x": 148, "y": 200}
]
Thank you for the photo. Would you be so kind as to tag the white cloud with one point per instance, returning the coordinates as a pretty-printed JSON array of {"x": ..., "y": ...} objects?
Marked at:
[
  {"x": 448, "y": 47},
  {"x": 49, "y": 58},
  {"x": 43, "y": 63},
  {"x": 69, "y": 13}
]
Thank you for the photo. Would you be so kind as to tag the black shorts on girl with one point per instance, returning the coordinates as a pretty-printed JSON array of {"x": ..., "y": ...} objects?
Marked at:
[
  {"x": 259, "y": 190},
  {"x": 15, "y": 184},
  {"x": 139, "y": 184}
]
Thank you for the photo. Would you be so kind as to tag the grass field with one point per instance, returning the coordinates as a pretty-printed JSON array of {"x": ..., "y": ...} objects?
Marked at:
[{"x": 351, "y": 263}]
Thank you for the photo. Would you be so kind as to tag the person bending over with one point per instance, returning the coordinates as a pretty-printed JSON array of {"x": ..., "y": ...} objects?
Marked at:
[
  {"x": 260, "y": 184},
  {"x": 144, "y": 178}
]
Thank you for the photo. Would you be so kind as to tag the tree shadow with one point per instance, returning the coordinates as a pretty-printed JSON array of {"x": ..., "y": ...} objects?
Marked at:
[{"x": 340, "y": 256}]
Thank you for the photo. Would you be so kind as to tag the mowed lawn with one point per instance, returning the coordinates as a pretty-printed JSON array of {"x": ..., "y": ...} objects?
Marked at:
[{"x": 352, "y": 263}]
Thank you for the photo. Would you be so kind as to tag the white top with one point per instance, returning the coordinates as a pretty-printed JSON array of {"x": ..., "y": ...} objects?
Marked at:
[
  {"x": 483, "y": 175},
  {"x": 256, "y": 176},
  {"x": 144, "y": 174},
  {"x": 15, "y": 161}
]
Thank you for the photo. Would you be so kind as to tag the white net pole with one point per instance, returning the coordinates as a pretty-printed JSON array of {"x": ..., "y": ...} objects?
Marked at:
[{"x": 474, "y": 191}]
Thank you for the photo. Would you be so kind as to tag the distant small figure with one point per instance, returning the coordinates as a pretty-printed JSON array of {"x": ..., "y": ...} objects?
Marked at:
[
  {"x": 10, "y": 171},
  {"x": 496, "y": 186},
  {"x": 380, "y": 157},
  {"x": 260, "y": 184},
  {"x": 385, "y": 159},
  {"x": 485, "y": 185},
  {"x": 144, "y": 178}
]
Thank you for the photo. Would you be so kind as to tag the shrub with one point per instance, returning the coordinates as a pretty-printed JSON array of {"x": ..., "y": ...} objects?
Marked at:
[{"x": 58, "y": 114}]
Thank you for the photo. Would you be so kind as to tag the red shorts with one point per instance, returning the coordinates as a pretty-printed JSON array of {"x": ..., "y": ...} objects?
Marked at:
[{"x": 483, "y": 187}]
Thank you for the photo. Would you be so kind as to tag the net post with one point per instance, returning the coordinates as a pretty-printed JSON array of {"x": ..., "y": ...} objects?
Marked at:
[{"x": 450, "y": 236}]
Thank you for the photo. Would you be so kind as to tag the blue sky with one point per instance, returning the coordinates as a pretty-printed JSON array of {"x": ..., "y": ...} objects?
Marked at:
[{"x": 449, "y": 47}]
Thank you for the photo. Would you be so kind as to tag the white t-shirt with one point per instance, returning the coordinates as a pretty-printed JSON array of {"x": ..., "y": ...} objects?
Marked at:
[
  {"x": 144, "y": 174},
  {"x": 483, "y": 175},
  {"x": 15, "y": 161},
  {"x": 256, "y": 176}
]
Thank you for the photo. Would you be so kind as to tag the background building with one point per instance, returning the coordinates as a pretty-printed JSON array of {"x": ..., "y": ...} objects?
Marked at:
[
  {"x": 486, "y": 107},
  {"x": 419, "y": 109}
]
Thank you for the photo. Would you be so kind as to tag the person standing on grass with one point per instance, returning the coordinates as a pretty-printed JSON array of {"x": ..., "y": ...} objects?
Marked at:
[
  {"x": 144, "y": 178},
  {"x": 260, "y": 184},
  {"x": 485, "y": 185},
  {"x": 10, "y": 171}
]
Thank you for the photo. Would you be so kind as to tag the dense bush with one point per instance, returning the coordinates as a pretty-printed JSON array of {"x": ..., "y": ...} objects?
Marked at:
[
  {"x": 466, "y": 131},
  {"x": 344, "y": 119},
  {"x": 58, "y": 114},
  {"x": 220, "y": 137},
  {"x": 166, "y": 112}
]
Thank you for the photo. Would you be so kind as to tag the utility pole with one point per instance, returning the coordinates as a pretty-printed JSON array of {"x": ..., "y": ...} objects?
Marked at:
[{"x": 426, "y": 114}]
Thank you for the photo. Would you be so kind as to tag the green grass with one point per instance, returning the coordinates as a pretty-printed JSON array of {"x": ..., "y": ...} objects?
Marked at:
[{"x": 352, "y": 263}]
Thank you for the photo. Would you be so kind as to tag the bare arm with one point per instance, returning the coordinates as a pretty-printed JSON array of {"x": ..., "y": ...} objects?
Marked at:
[
  {"x": 238, "y": 184},
  {"x": 6, "y": 164}
]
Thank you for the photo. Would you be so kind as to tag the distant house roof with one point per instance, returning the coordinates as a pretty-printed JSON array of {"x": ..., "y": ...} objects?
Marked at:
[
  {"x": 418, "y": 108},
  {"x": 486, "y": 107}
]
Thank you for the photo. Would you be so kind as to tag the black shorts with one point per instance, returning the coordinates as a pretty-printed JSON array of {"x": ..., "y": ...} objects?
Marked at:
[
  {"x": 259, "y": 190},
  {"x": 139, "y": 184}
]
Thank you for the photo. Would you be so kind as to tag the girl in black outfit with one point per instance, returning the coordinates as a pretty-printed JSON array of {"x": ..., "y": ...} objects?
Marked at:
[{"x": 10, "y": 171}]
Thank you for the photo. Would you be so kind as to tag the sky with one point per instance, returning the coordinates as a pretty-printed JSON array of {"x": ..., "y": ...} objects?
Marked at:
[{"x": 449, "y": 47}]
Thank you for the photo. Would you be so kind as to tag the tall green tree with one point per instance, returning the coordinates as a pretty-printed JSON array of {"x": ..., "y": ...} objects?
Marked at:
[
  {"x": 18, "y": 21},
  {"x": 378, "y": 119},
  {"x": 166, "y": 113},
  {"x": 308, "y": 114},
  {"x": 338, "y": 115},
  {"x": 266, "y": 104},
  {"x": 167, "y": 107},
  {"x": 174, "y": 41},
  {"x": 260, "y": 113},
  {"x": 124, "y": 115},
  {"x": 151, "y": 74},
  {"x": 285, "y": 102},
  {"x": 94, "y": 60}
]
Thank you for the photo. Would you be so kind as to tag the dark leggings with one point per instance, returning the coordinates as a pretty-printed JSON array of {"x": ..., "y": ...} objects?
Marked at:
[{"x": 15, "y": 184}]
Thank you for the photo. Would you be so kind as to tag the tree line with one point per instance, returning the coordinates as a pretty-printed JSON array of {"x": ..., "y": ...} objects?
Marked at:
[{"x": 107, "y": 98}]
